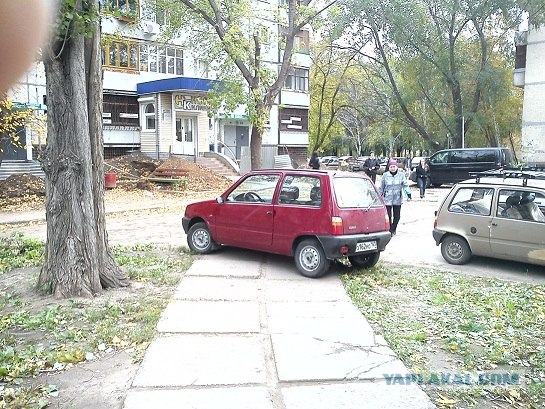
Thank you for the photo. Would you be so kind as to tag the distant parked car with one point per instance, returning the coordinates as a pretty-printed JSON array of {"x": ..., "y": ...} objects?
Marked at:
[
  {"x": 416, "y": 161},
  {"x": 316, "y": 216},
  {"x": 455, "y": 165},
  {"x": 498, "y": 213}
]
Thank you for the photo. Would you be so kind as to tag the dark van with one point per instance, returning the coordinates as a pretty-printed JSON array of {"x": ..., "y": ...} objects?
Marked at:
[{"x": 454, "y": 165}]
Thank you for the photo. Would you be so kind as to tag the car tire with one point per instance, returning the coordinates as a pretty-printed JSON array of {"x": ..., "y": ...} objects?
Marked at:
[
  {"x": 364, "y": 261},
  {"x": 455, "y": 250},
  {"x": 200, "y": 240},
  {"x": 310, "y": 259}
]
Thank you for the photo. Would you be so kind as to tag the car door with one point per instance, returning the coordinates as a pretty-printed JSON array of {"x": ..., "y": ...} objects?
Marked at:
[
  {"x": 245, "y": 218},
  {"x": 514, "y": 236}
]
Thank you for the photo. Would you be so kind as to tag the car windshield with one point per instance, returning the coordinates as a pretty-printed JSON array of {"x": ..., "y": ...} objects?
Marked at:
[{"x": 355, "y": 192}]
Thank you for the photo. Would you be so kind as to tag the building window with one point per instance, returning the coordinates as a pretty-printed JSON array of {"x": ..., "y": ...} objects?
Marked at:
[
  {"x": 120, "y": 110},
  {"x": 120, "y": 54},
  {"x": 149, "y": 117},
  {"x": 293, "y": 119},
  {"x": 121, "y": 8},
  {"x": 520, "y": 57},
  {"x": 301, "y": 43},
  {"x": 151, "y": 11},
  {"x": 297, "y": 79},
  {"x": 161, "y": 59}
]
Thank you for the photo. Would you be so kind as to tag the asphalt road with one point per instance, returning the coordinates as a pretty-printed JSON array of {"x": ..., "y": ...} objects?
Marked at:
[{"x": 413, "y": 245}]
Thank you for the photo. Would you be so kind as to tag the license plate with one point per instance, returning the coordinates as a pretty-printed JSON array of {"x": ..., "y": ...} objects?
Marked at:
[{"x": 366, "y": 246}]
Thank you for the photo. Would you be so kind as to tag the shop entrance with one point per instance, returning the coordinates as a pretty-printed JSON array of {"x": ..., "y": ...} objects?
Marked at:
[{"x": 184, "y": 143}]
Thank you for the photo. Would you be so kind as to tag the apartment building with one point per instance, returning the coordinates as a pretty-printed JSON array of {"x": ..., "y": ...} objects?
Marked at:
[
  {"x": 155, "y": 93},
  {"x": 529, "y": 74}
]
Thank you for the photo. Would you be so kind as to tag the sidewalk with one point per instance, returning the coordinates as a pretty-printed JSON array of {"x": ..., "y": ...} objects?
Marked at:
[{"x": 245, "y": 331}]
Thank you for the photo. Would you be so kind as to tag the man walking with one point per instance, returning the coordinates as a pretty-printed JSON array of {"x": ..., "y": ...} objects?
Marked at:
[{"x": 371, "y": 166}]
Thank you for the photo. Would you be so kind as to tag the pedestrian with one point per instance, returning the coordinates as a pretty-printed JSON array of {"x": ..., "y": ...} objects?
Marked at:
[
  {"x": 371, "y": 166},
  {"x": 314, "y": 162},
  {"x": 422, "y": 171},
  {"x": 392, "y": 186}
]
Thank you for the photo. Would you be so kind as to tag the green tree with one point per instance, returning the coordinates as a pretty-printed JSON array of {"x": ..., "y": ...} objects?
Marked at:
[
  {"x": 11, "y": 122},
  {"x": 235, "y": 37},
  {"x": 436, "y": 57},
  {"x": 78, "y": 260},
  {"x": 329, "y": 70}
]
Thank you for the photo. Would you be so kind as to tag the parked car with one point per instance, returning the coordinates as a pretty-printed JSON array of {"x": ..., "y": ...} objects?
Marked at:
[
  {"x": 315, "y": 216},
  {"x": 455, "y": 165},
  {"x": 416, "y": 161},
  {"x": 498, "y": 214}
]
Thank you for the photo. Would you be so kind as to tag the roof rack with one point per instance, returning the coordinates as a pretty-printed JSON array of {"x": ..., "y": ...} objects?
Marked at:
[{"x": 515, "y": 173}]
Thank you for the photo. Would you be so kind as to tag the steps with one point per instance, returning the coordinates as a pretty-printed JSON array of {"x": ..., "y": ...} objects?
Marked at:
[
  {"x": 11, "y": 167},
  {"x": 217, "y": 166}
]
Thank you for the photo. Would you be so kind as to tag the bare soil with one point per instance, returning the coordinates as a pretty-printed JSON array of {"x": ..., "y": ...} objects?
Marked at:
[{"x": 134, "y": 172}]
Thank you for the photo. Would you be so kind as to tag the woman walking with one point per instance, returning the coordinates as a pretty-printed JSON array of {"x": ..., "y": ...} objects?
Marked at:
[
  {"x": 392, "y": 184},
  {"x": 422, "y": 171}
]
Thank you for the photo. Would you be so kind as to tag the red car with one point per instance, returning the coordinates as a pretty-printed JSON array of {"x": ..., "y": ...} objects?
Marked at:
[{"x": 316, "y": 216}]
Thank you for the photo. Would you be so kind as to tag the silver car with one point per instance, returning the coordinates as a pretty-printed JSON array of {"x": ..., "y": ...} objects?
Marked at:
[{"x": 498, "y": 214}]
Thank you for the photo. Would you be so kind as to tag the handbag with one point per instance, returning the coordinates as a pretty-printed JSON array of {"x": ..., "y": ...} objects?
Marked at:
[{"x": 412, "y": 176}]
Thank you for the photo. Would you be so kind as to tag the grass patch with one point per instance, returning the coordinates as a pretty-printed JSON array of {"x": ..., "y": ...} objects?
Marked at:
[
  {"x": 40, "y": 334},
  {"x": 446, "y": 323}
]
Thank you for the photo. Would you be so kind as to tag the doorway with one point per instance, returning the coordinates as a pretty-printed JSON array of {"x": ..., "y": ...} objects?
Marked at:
[
  {"x": 236, "y": 137},
  {"x": 184, "y": 142}
]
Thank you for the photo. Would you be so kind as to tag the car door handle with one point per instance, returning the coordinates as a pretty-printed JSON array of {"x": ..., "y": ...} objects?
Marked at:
[
  {"x": 494, "y": 224},
  {"x": 269, "y": 212}
]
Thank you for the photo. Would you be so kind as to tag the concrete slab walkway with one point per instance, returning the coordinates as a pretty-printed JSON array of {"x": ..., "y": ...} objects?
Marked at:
[{"x": 245, "y": 332}]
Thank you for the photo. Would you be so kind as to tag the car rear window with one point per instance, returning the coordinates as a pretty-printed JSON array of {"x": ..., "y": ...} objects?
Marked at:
[{"x": 355, "y": 192}]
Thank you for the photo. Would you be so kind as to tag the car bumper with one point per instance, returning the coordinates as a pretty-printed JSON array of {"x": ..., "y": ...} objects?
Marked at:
[
  {"x": 438, "y": 236},
  {"x": 332, "y": 244},
  {"x": 185, "y": 223}
]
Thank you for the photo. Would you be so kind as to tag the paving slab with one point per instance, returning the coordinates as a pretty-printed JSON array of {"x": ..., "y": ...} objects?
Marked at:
[
  {"x": 306, "y": 358},
  {"x": 218, "y": 265},
  {"x": 325, "y": 289},
  {"x": 210, "y": 398},
  {"x": 348, "y": 326},
  {"x": 355, "y": 396},
  {"x": 217, "y": 288},
  {"x": 210, "y": 316},
  {"x": 204, "y": 360}
]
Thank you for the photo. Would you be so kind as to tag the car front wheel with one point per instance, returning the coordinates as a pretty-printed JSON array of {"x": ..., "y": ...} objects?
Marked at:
[
  {"x": 455, "y": 250},
  {"x": 310, "y": 259},
  {"x": 199, "y": 239},
  {"x": 365, "y": 261}
]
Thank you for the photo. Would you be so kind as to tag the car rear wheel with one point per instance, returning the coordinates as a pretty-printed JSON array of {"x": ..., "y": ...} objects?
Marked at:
[
  {"x": 310, "y": 259},
  {"x": 455, "y": 250},
  {"x": 365, "y": 261},
  {"x": 200, "y": 240}
]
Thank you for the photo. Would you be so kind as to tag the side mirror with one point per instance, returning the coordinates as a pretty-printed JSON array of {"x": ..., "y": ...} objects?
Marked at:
[{"x": 219, "y": 199}]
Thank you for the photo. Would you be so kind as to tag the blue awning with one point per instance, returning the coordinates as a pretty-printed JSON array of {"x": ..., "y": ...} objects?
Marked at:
[{"x": 175, "y": 84}]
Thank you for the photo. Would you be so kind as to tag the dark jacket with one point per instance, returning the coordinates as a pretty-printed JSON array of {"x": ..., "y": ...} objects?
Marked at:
[
  {"x": 314, "y": 162},
  {"x": 422, "y": 172},
  {"x": 371, "y": 165}
]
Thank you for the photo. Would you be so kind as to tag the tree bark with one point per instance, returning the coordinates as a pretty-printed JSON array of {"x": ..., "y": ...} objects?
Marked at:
[{"x": 78, "y": 261}]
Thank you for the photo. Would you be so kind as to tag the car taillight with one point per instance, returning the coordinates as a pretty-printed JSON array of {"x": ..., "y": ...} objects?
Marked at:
[
  {"x": 435, "y": 222},
  {"x": 387, "y": 221},
  {"x": 337, "y": 225}
]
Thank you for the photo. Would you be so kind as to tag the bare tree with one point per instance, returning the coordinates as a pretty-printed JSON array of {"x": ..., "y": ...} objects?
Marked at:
[{"x": 78, "y": 260}]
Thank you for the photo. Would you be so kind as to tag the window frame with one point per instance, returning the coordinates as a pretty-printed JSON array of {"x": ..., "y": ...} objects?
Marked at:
[
  {"x": 294, "y": 78},
  {"x": 158, "y": 56},
  {"x": 116, "y": 45},
  {"x": 146, "y": 116}
]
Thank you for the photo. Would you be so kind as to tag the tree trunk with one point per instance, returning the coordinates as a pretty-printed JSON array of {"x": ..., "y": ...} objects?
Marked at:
[{"x": 77, "y": 258}]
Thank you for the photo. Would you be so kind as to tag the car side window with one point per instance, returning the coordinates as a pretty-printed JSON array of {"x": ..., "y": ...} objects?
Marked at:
[
  {"x": 301, "y": 191},
  {"x": 472, "y": 200},
  {"x": 522, "y": 205},
  {"x": 256, "y": 188}
]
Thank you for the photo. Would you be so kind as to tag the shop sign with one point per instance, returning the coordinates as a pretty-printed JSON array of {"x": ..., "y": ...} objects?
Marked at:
[{"x": 190, "y": 103}]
